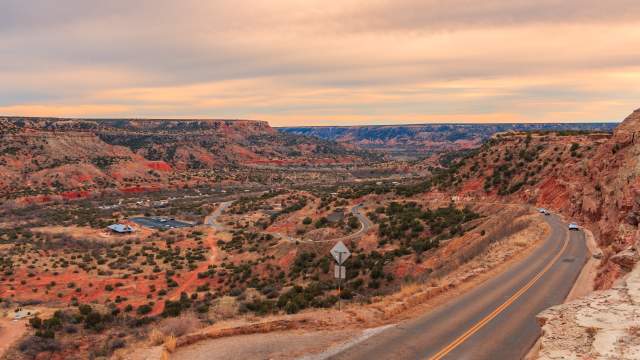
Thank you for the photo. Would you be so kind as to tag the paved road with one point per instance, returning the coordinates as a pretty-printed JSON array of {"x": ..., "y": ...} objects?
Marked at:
[
  {"x": 365, "y": 224},
  {"x": 495, "y": 320},
  {"x": 212, "y": 219}
]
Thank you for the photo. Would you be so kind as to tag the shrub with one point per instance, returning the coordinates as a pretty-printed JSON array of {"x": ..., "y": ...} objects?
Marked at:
[
  {"x": 85, "y": 309},
  {"x": 116, "y": 344},
  {"x": 93, "y": 320},
  {"x": 33, "y": 345},
  {"x": 143, "y": 309},
  {"x": 35, "y": 322},
  {"x": 70, "y": 329},
  {"x": 322, "y": 222}
]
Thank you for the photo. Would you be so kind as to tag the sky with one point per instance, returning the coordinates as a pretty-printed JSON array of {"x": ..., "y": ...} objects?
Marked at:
[{"x": 308, "y": 62}]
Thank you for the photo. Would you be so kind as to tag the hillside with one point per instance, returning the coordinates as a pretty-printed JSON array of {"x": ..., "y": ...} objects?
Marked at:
[
  {"x": 42, "y": 156},
  {"x": 592, "y": 178},
  {"x": 423, "y": 139}
]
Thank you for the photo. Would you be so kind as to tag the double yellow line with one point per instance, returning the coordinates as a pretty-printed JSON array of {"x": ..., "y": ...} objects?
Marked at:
[{"x": 500, "y": 308}]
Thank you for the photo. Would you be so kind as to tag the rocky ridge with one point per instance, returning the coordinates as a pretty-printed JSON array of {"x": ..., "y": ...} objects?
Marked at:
[
  {"x": 72, "y": 157},
  {"x": 420, "y": 139},
  {"x": 604, "y": 324},
  {"x": 591, "y": 179}
]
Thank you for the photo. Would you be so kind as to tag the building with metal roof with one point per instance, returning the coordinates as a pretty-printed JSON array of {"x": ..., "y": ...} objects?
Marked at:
[{"x": 120, "y": 228}]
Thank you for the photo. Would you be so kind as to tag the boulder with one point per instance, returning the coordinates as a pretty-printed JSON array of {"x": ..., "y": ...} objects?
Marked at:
[{"x": 626, "y": 258}]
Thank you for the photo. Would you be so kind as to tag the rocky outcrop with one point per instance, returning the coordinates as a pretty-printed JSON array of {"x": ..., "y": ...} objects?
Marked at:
[
  {"x": 603, "y": 325},
  {"x": 626, "y": 258},
  {"x": 593, "y": 180}
]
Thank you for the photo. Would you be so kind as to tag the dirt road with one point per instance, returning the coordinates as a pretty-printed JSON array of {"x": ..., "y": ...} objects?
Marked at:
[{"x": 10, "y": 332}]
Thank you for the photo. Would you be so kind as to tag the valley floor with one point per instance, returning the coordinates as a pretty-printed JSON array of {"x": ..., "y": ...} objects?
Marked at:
[{"x": 358, "y": 322}]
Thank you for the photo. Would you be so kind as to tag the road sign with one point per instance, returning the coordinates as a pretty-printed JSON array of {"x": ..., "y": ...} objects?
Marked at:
[
  {"x": 340, "y": 253},
  {"x": 340, "y": 272}
]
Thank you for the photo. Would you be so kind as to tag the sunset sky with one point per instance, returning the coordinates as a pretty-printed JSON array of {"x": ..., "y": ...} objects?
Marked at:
[{"x": 307, "y": 62}]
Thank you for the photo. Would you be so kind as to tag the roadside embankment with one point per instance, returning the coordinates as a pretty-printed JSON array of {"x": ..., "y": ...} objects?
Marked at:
[{"x": 600, "y": 325}]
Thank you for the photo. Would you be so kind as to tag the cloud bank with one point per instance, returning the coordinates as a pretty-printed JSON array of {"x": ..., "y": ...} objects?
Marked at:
[{"x": 296, "y": 62}]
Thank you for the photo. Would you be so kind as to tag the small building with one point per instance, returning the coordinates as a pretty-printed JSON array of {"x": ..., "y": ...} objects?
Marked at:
[
  {"x": 120, "y": 228},
  {"x": 20, "y": 314}
]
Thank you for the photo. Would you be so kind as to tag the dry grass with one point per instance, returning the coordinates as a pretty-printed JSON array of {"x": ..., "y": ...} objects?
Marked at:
[
  {"x": 256, "y": 328},
  {"x": 120, "y": 354},
  {"x": 521, "y": 243},
  {"x": 156, "y": 337},
  {"x": 164, "y": 356},
  {"x": 170, "y": 343},
  {"x": 179, "y": 326},
  {"x": 410, "y": 295},
  {"x": 409, "y": 288},
  {"x": 227, "y": 307}
]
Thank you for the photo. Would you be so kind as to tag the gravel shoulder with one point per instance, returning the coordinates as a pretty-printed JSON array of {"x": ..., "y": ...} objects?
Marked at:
[{"x": 277, "y": 345}]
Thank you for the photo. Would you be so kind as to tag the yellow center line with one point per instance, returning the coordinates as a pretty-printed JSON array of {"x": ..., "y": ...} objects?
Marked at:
[{"x": 500, "y": 308}]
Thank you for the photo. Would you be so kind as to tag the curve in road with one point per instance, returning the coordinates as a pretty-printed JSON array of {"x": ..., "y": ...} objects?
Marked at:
[
  {"x": 365, "y": 225},
  {"x": 496, "y": 319}
]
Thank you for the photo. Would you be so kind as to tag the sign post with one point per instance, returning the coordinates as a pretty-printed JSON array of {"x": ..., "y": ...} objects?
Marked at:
[{"x": 340, "y": 253}]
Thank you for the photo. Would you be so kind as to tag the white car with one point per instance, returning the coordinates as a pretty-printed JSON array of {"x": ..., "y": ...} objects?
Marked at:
[
  {"x": 574, "y": 226},
  {"x": 542, "y": 210}
]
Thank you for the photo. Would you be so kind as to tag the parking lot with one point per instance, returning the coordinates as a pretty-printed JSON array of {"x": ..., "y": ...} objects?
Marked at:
[{"x": 160, "y": 223}]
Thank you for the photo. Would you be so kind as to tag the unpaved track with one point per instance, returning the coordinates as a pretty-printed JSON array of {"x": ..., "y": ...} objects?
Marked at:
[
  {"x": 10, "y": 332},
  {"x": 212, "y": 219},
  {"x": 496, "y": 320}
]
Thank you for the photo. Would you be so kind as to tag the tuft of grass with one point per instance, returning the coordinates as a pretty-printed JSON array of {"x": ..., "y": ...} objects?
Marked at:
[
  {"x": 165, "y": 355},
  {"x": 170, "y": 343},
  {"x": 179, "y": 326},
  {"x": 156, "y": 337}
]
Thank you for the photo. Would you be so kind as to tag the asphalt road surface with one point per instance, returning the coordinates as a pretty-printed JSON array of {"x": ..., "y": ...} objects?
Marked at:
[
  {"x": 495, "y": 320},
  {"x": 364, "y": 220}
]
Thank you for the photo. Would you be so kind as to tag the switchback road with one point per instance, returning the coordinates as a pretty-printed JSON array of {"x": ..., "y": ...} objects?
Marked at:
[{"x": 495, "y": 320}]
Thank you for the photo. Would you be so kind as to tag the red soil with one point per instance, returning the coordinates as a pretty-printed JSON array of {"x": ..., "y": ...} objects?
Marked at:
[
  {"x": 286, "y": 261},
  {"x": 83, "y": 178},
  {"x": 159, "y": 165},
  {"x": 69, "y": 195}
]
